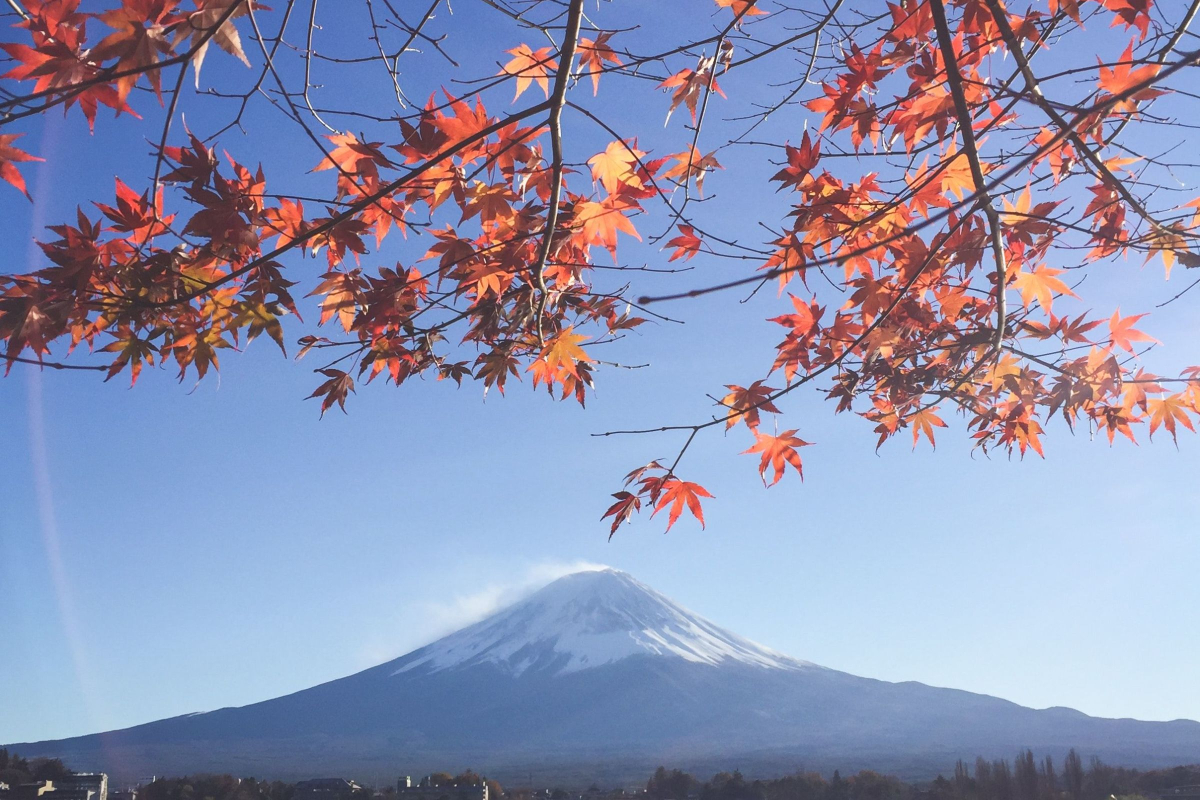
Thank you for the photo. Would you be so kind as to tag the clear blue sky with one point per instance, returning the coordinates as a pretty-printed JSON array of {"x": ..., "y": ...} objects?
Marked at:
[{"x": 169, "y": 549}]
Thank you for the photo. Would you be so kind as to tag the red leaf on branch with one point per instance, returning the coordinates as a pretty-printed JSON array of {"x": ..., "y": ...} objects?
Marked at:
[
  {"x": 9, "y": 156},
  {"x": 593, "y": 54},
  {"x": 686, "y": 244},
  {"x": 334, "y": 390},
  {"x": 777, "y": 452},
  {"x": 627, "y": 504},
  {"x": 677, "y": 494}
]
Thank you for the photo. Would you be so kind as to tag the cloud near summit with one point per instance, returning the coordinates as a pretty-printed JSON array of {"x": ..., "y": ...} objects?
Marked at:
[{"x": 424, "y": 621}]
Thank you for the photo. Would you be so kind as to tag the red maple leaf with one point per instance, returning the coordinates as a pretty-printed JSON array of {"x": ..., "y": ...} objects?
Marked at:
[
  {"x": 677, "y": 494},
  {"x": 9, "y": 156}
]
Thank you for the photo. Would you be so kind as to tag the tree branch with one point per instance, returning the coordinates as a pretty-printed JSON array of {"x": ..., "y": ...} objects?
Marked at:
[
  {"x": 1039, "y": 99},
  {"x": 971, "y": 151},
  {"x": 557, "y": 99}
]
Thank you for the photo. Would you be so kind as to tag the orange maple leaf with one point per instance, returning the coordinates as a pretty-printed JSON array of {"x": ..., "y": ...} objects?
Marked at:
[
  {"x": 343, "y": 293},
  {"x": 601, "y": 222},
  {"x": 1168, "y": 411},
  {"x": 465, "y": 122},
  {"x": 689, "y": 86},
  {"x": 745, "y": 403},
  {"x": 801, "y": 161},
  {"x": 741, "y": 8},
  {"x": 1005, "y": 367},
  {"x": 679, "y": 493},
  {"x": 354, "y": 157},
  {"x": 135, "y": 45},
  {"x": 1170, "y": 243},
  {"x": 1070, "y": 7},
  {"x": 777, "y": 452},
  {"x": 689, "y": 164},
  {"x": 1123, "y": 334},
  {"x": 530, "y": 65},
  {"x": 287, "y": 221},
  {"x": 1040, "y": 284},
  {"x": 201, "y": 22},
  {"x": 956, "y": 175},
  {"x": 1122, "y": 79},
  {"x": 617, "y": 165},
  {"x": 593, "y": 54},
  {"x": 925, "y": 421},
  {"x": 564, "y": 350}
]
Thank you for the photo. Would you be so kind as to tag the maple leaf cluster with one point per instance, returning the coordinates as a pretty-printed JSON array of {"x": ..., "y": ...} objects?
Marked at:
[{"x": 937, "y": 206}]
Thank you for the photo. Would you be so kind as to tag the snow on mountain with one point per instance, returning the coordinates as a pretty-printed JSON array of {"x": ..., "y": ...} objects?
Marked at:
[
  {"x": 587, "y": 619},
  {"x": 597, "y": 671}
]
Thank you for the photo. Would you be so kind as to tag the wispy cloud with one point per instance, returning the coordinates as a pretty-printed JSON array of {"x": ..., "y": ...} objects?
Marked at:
[
  {"x": 424, "y": 621},
  {"x": 465, "y": 609}
]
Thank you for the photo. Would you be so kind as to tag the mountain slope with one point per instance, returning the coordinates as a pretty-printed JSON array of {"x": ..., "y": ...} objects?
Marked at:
[
  {"x": 597, "y": 668},
  {"x": 589, "y": 619}
]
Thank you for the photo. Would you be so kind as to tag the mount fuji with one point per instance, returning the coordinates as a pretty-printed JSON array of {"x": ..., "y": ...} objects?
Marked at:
[{"x": 597, "y": 675}]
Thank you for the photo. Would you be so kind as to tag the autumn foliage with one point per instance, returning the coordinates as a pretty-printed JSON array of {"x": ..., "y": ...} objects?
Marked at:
[{"x": 939, "y": 178}]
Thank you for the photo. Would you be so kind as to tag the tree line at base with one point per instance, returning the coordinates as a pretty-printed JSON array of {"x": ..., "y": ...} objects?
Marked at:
[
  {"x": 15, "y": 770},
  {"x": 1025, "y": 778}
]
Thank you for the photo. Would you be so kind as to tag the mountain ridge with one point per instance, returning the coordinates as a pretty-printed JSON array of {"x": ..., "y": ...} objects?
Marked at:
[{"x": 597, "y": 668}]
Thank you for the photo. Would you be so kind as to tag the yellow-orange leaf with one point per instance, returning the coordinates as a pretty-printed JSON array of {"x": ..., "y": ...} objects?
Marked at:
[
  {"x": 1041, "y": 285},
  {"x": 601, "y": 222},
  {"x": 1167, "y": 412},
  {"x": 924, "y": 422},
  {"x": 530, "y": 65},
  {"x": 564, "y": 350},
  {"x": 615, "y": 166}
]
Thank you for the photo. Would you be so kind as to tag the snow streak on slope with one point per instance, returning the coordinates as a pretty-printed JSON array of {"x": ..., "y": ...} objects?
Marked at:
[{"x": 587, "y": 619}]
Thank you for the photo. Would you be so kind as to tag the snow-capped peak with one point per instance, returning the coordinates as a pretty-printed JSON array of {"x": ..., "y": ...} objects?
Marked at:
[{"x": 587, "y": 619}]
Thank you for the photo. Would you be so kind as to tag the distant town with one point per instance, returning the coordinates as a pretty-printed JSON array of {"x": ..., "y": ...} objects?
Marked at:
[{"x": 1025, "y": 778}]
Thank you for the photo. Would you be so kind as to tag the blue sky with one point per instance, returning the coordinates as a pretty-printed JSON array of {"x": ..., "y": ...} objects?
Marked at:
[{"x": 172, "y": 548}]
